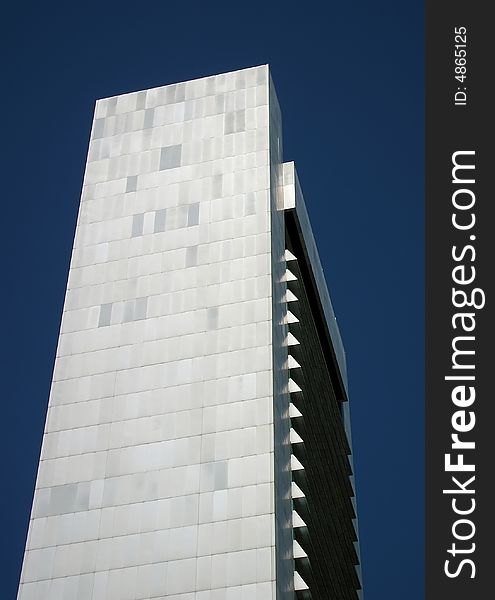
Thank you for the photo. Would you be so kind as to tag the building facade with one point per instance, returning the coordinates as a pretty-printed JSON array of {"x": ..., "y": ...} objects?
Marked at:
[{"x": 197, "y": 442}]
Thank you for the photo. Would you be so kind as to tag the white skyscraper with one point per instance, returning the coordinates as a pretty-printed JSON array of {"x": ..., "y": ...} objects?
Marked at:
[{"x": 195, "y": 445}]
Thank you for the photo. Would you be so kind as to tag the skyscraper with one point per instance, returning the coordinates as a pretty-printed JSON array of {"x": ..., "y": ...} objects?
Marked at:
[{"x": 197, "y": 440}]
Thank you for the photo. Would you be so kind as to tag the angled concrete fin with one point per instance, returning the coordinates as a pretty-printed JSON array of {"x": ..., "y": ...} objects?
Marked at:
[
  {"x": 289, "y": 256},
  {"x": 292, "y": 363},
  {"x": 295, "y": 464},
  {"x": 296, "y": 491},
  {"x": 292, "y": 340},
  {"x": 294, "y": 412},
  {"x": 295, "y": 438},
  {"x": 299, "y": 583},
  {"x": 293, "y": 387},
  {"x": 298, "y": 550},
  {"x": 290, "y": 297},
  {"x": 291, "y": 318},
  {"x": 296, "y": 520}
]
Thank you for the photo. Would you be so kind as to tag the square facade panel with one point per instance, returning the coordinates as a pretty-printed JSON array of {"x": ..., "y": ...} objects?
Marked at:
[{"x": 192, "y": 448}]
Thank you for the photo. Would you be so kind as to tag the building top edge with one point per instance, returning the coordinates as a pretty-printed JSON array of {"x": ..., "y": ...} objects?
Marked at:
[{"x": 195, "y": 80}]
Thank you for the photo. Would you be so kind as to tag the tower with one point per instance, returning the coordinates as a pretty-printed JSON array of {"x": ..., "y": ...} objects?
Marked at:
[{"x": 197, "y": 439}]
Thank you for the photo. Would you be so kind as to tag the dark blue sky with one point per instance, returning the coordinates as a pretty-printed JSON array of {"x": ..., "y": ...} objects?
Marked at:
[{"x": 349, "y": 77}]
